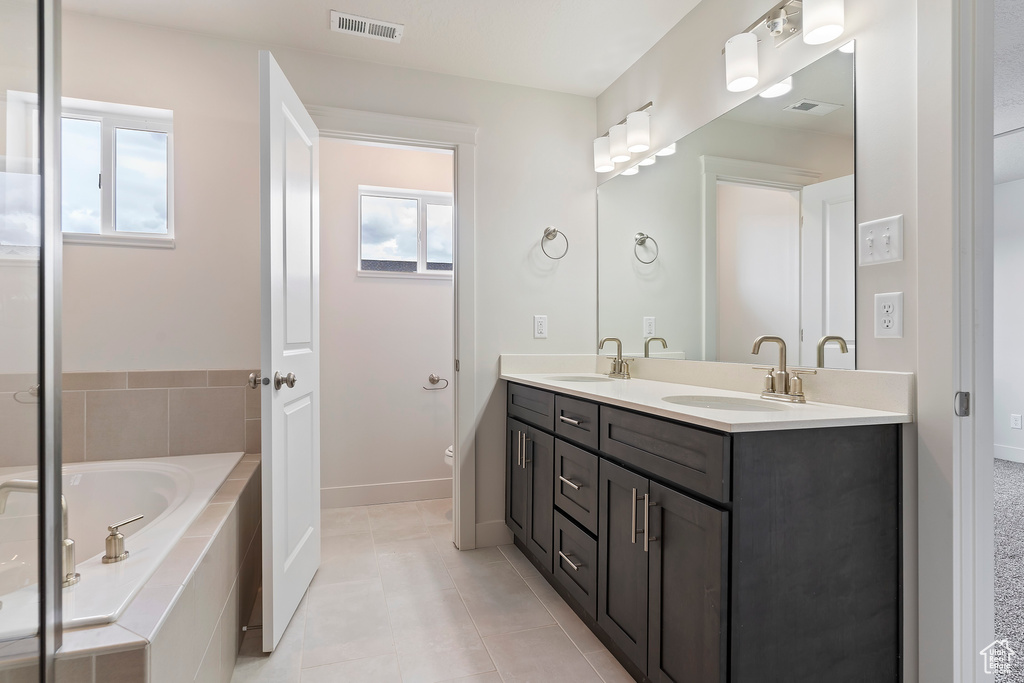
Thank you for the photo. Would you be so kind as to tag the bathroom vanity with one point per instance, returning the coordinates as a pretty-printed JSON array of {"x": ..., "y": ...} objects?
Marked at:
[{"x": 712, "y": 536}]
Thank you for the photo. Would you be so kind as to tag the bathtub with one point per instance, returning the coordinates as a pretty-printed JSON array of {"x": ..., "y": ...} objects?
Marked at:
[{"x": 170, "y": 492}]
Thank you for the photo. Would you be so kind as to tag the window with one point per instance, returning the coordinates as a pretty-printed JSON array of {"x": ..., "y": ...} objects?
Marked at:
[{"x": 405, "y": 231}]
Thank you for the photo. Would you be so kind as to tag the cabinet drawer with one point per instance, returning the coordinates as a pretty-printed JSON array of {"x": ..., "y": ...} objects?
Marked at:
[
  {"x": 576, "y": 483},
  {"x": 535, "y": 406},
  {"x": 576, "y": 563},
  {"x": 576, "y": 421},
  {"x": 685, "y": 456}
]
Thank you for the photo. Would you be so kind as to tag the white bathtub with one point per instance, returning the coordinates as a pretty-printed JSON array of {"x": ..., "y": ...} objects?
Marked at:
[{"x": 170, "y": 492}]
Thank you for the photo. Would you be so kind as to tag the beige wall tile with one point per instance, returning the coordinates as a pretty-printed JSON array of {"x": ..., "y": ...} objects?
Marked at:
[
  {"x": 213, "y": 579},
  {"x": 175, "y": 652},
  {"x": 145, "y": 612},
  {"x": 122, "y": 667},
  {"x": 253, "y": 403},
  {"x": 207, "y": 420},
  {"x": 73, "y": 425},
  {"x": 86, "y": 381},
  {"x": 75, "y": 670},
  {"x": 230, "y": 632},
  {"x": 253, "y": 436},
  {"x": 19, "y": 423},
  {"x": 209, "y": 520},
  {"x": 250, "y": 511},
  {"x": 164, "y": 379},
  {"x": 103, "y": 637},
  {"x": 125, "y": 424},
  {"x": 249, "y": 579},
  {"x": 229, "y": 378}
]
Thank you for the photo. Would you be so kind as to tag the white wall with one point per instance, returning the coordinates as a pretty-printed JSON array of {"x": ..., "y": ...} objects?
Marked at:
[
  {"x": 1008, "y": 332},
  {"x": 382, "y": 435}
]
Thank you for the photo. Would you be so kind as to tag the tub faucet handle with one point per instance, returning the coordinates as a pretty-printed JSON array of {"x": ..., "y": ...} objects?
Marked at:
[{"x": 115, "y": 541}]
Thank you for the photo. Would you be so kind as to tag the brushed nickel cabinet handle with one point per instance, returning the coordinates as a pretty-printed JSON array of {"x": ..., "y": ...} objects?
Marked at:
[
  {"x": 526, "y": 448},
  {"x": 575, "y": 567},
  {"x": 569, "y": 421},
  {"x": 632, "y": 521},
  {"x": 570, "y": 482}
]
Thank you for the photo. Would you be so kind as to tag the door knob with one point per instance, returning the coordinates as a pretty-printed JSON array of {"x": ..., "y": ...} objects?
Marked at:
[{"x": 280, "y": 379}]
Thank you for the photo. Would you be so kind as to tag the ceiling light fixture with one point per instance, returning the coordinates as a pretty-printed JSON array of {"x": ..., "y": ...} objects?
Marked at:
[
  {"x": 649, "y": 161},
  {"x": 617, "y": 135},
  {"x": 741, "y": 62},
  {"x": 638, "y": 131},
  {"x": 779, "y": 89},
  {"x": 667, "y": 151},
  {"x": 824, "y": 21},
  {"x": 849, "y": 48},
  {"x": 602, "y": 155},
  {"x": 632, "y": 170}
]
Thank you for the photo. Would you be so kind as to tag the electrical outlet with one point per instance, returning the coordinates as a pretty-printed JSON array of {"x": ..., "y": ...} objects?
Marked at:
[
  {"x": 889, "y": 315},
  {"x": 540, "y": 327},
  {"x": 1014, "y": 421},
  {"x": 880, "y": 241},
  {"x": 649, "y": 326}
]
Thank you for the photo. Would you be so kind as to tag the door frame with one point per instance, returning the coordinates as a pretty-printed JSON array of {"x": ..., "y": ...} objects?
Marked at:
[{"x": 460, "y": 138}]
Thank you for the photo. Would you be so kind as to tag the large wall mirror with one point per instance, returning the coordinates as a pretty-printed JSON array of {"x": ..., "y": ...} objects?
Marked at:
[{"x": 747, "y": 229}]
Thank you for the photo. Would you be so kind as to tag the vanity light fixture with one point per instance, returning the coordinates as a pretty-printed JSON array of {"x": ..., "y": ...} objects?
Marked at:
[
  {"x": 632, "y": 170},
  {"x": 617, "y": 137},
  {"x": 779, "y": 89},
  {"x": 849, "y": 48},
  {"x": 824, "y": 21},
  {"x": 602, "y": 155},
  {"x": 666, "y": 151},
  {"x": 649, "y": 161},
  {"x": 741, "y": 62},
  {"x": 638, "y": 131}
]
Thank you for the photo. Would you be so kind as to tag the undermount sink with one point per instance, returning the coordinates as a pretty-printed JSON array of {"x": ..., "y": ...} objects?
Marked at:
[
  {"x": 579, "y": 378},
  {"x": 752, "y": 405}
]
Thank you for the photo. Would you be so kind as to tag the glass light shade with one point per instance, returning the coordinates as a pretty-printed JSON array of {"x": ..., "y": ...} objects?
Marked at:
[
  {"x": 602, "y": 155},
  {"x": 617, "y": 136},
  {"x": 632, "y": 170},
  {"x": 779, "y": 89},
  {"x": 824, "y": 21},
  {"x": 638, "y": 131},
  {"x": 849, "y": 48},
  {"x": 649, "y": 161},
  {"x": 741, "y": 62},
  {"x": 667, "y": 151}
]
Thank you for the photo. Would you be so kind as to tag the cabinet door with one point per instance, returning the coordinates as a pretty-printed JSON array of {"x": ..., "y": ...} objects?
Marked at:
[
  {"x": 622, "y": 562},
  {"x": 688, "y": 594},
  {"x": 540, "y": 472},
  {"x": 516, "y": 482}
]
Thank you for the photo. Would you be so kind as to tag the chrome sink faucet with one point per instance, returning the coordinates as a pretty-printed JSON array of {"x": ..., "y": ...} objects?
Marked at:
[
  {"x": 821, "y": 347},
  {"x": 647, "y": 345},
  {"x": 10, "y": 486},
  {"x": 620, "y": 367},
  {"x": 781, "y": 384}
]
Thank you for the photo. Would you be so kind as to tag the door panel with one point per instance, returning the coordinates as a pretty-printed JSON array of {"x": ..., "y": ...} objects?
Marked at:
[
  {"x": 516, "y": 496},
  {"x": 290, "y": 344},
  {"x": 540, "y": 468},
  {"x": 688, "y": 609},
  {"x": 622, "y": 575}
]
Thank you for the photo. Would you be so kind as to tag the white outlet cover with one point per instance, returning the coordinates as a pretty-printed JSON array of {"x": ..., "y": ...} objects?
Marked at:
[
  {"x": 1015, "y": 421},
  {"x": 540, "y": 327},
  {"x": 650, "y": 326},
  {"x": 889, "y": 315},
  {"x": 880, "y": 241}
]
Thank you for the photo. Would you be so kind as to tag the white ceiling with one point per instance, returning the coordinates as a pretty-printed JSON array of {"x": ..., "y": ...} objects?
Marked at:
[
  {"x": 1009, "y": 89},
  {"x": 573, "y": 46}
]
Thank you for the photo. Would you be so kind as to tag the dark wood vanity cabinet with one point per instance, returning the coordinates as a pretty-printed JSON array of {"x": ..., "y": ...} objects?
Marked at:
[{"x": 760, "y": 557}]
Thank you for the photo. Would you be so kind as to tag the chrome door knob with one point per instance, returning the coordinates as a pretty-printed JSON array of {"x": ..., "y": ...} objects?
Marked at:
[{"x": 280, "y": 380}]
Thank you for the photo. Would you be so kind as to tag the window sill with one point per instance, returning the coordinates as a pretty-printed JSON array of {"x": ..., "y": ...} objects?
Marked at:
[
  {"x": 398, "y": 275},
  {"x": 146, "y": 242}
]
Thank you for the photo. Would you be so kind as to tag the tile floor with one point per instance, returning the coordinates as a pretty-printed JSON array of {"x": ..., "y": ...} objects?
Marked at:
[{"x": 395, "y": 601}]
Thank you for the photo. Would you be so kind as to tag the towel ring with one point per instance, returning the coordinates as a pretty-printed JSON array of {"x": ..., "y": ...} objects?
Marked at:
[
  {"x": 639, "y": 240},
  {"x": 434, "y": 380},
  {"x": 550, "y": 234}
]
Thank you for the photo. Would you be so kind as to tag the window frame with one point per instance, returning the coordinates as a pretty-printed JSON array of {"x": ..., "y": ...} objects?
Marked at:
[{"x": 422, "y": 198}]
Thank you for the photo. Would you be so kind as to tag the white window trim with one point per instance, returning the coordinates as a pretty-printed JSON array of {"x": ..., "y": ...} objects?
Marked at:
[{"x": 422, "y": 197}]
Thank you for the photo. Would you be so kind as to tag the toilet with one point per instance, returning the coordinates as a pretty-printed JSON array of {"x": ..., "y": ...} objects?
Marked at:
[{"x": 449, "y": 456}]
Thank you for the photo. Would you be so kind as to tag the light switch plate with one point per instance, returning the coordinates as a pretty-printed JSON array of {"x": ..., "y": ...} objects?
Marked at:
[
  {"x": 880, "y": 241},
  {"x": 540, "y": 327},
  {"x": 1014, "y": 421},
  {"x": 649, "y": 326},
  {"x": 889, "y": 315}
]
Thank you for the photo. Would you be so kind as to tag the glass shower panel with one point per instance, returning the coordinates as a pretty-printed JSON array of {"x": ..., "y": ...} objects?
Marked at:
[{"x": 20, "y": 220}]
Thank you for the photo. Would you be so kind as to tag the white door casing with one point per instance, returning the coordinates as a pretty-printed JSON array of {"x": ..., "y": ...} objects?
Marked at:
[{"x": 290, "y": 344}]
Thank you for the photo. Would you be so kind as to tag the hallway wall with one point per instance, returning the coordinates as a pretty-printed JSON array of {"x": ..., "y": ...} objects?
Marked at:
[{"x": 1008, "y": 324}]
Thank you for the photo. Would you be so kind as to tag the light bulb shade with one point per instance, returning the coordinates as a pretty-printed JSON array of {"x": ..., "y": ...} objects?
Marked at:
[
  {"x": 632, "y": 170},
  {"x": 649, "y": 161},
  {"x": 741, "y": 62},
  {"x": 824, "y": 21},
  {"x": 638, "y": 131},
  {"x": 667, "y": 151},
  {"x": 779, "y": 89},
  {"x": 602, "y": 155},
  {"x": 617, "y": 137}
]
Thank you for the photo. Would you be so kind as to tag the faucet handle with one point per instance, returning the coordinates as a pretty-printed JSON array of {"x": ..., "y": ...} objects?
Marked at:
[
  {"x": 796, "y": 385},
  {"x": 113, "y": 527}
]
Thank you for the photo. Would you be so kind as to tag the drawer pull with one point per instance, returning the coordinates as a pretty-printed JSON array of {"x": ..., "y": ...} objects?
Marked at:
[
  {"x": 575, "y": 567},
  {"x": 569, "y": 421},
  {"x": 632, "y": 520},
  {"x": 569, "y": 482}
]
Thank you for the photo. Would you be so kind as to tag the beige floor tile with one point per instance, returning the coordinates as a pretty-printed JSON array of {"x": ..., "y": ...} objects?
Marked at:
[
  {"x": 539, "y": 656},
  {"x": 489, "y": 677},
  {"x": 280, "y": 666},
  {"x": 578, "y": 632},
  {"x": 453, "y": 557},
  {"x": 498, "y": 599},
  {"x": 346, "y": 558},
  {"x": 382, "y": 669},
  {"x": 346, "y": 621},
  {"x": 396, "y": 522},
  {"x": 412, "y": 566},
  {"x": 518, "y": 560},
  {"x": 608, "y": 668},
  {"x": 436, "y": 512},
  {"x": 343, "y": 521}
]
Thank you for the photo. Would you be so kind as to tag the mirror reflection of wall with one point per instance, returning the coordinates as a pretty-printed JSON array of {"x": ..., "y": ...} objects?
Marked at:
[{"x": 733, "y": 261}]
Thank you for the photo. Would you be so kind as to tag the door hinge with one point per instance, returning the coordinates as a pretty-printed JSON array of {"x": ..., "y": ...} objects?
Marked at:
[
  {"x": 962, "y": 404},
  {"x": 456, "y": 365}
]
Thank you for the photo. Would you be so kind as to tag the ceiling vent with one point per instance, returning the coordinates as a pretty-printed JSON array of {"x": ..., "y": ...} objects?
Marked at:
[
  {"x": 369, "y": 28},
  {"x": 813, "y": 107}
]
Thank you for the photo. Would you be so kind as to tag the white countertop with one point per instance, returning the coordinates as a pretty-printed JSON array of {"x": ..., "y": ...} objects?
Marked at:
[{"x": 647, "y": 396}]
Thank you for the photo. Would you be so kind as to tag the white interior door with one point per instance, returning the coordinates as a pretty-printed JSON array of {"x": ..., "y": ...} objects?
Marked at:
[
  {"x": 828, "y": 270},
  {"x": 290, "y": 347}
]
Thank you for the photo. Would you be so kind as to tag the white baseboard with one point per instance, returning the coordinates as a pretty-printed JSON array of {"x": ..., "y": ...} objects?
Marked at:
[
  {"x": 392, "y": 492},
  {"x": 1011, "y": 453},
  {"x": 492, "y": 533}
]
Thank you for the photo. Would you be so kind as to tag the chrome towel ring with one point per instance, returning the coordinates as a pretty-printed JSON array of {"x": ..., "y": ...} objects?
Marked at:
[
  {"x": 550, "y": 234},
  {"x": 639, "y": 240}
]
